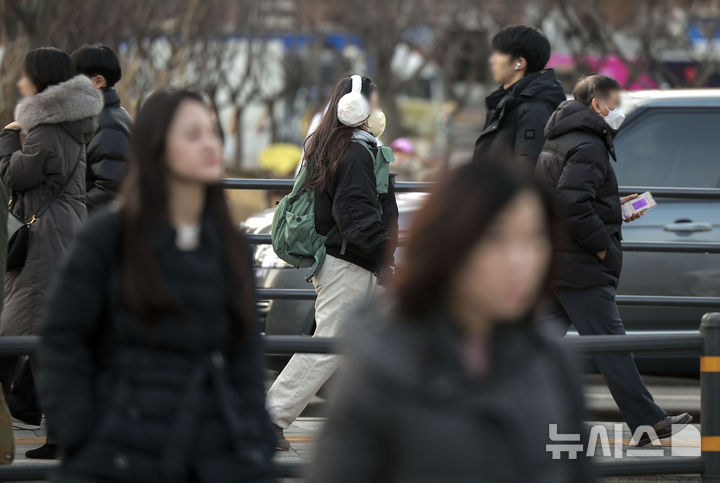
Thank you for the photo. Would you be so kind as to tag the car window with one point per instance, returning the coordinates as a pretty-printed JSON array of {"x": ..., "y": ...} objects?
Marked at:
[{"x": 670, "y": 148}]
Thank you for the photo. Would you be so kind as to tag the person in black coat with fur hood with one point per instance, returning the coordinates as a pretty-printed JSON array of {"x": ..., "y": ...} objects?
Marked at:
[
  {"x": 519, "y": 109},
  {"x": 575, "y": 165},
  {"x": 42, "y": 164}
]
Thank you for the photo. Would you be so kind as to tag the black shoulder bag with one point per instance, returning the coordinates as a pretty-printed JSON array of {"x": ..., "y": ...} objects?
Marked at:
[{"x": 19, "y": 230}]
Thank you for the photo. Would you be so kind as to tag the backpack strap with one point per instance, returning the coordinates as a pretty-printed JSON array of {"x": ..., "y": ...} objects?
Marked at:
[{"x": 366, "y": 146}]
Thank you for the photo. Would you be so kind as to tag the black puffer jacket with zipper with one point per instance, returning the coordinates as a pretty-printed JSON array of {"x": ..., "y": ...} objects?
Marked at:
[
  {"x": 180, "y": 400},
  {"x": 107, "y": 151},
  {"x": 575, "y": 164},
  {"x": 516, "y": 118},
  {"x": 366, "y": 221}
]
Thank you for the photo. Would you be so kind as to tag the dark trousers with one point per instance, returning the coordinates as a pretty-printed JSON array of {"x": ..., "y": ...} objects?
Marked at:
[
  {"x": 593, "y": 311},
  {"x": 16, "y": 376}
]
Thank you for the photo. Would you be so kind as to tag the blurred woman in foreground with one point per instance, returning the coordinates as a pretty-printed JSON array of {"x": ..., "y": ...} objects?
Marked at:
[
  {"x": 453, "y": 380},
  {"x": 150, "y": 360}
]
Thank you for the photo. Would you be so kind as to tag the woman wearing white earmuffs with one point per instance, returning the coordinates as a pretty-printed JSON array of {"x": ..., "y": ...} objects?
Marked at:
[{"x": 355, "y": 209}]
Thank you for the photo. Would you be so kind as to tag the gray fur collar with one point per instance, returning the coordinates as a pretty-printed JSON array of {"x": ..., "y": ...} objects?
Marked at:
[{"x": 71, "y": 100}]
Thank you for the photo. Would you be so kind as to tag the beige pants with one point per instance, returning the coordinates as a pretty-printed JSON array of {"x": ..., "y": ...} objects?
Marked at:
[{"x": 340, "y": 285}]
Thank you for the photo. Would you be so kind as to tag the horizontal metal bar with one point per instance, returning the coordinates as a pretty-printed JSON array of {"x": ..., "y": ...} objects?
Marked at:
[
  {"x": 650, "y": 466},
  {"x": 291, "y": 470},
  {"x": 668, "y": 247},
  {"x": 625, "y": 300},
  {"x": 405, "y": 186},
  {"x": 266, "y": 240},
  {"x": 258, "y": 239},
  {"x": 289, "y": 344},
  {"x": 18, "y": 345},
  {"x": 25, "y": 472},
  {"x": 666, "y": 301},
  {"x": 287, "y": 184},
  {"x": 286, "y": 293},
  {"x": 590, "y": 344},
  {"x": 658, "y": 192},
  {"x": 603, "y": 344}
]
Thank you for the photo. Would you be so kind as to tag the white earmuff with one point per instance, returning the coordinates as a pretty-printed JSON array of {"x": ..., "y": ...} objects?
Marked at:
[{"x": 353, "y": 108}]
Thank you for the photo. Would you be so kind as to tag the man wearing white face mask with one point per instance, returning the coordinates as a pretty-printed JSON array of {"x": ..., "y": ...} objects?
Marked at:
[{"x": 575, "y": 164}]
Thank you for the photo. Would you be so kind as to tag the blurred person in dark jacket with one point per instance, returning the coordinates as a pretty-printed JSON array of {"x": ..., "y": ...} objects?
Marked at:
[
  {"x": 575, "y": 165},
  {"x": 107, "y": 150},
  {"x": 518, "y": 110},
  {"x": 150, "y": 365},
  {"x": 452, "y": 379}
]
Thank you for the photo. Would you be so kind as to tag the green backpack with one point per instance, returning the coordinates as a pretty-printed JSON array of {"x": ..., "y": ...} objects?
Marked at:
[{"x": 294, "y": 238}]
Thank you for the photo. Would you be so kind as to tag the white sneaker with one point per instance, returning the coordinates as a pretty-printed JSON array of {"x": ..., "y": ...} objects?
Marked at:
[{"x": 17, "y": 424}]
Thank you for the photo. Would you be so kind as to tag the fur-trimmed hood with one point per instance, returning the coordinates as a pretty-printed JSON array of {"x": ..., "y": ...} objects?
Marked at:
[{"x": 69, "y": 101}]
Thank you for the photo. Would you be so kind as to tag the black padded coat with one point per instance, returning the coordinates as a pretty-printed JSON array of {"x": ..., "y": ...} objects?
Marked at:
[
  {"x": 107, "y": 152},
  {"x": 516, "y": 118},
  {"x": 177, "y": 401},
  {"x": 57, "y": 123},
  {"x": 575, "y": 165}
]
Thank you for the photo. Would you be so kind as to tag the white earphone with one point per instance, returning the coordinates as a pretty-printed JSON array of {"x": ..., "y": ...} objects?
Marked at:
[
  {"x": 518, "y": 65},
  {"x": 353, "y": 108}
]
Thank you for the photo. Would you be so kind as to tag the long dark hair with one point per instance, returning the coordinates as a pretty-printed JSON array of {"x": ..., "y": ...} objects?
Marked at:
[
  {"x": 48, "y": 66},
  {"x": 326, "y": 146},
  {"x": 144, "y": 212},
  {"x": 452, "y": 221}
]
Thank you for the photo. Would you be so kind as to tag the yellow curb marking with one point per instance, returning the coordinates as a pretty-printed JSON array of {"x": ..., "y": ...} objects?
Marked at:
[
  {"x": 30, "y": 440},
  {"x": 663, "y": 442},
  {"x": 710, "y": 443},
  {"x": 710, "y": 364},
  {"x": 300, "y": 439}
]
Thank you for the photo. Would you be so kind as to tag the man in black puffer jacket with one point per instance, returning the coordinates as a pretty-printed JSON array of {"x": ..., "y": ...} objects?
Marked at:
[
  {"x": 575, "y": 166},
  {"x": 519, "y": 109},
  {"x": 107, "y": 150}
]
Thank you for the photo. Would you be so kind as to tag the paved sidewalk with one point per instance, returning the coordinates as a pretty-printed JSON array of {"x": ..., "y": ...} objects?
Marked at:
[{"x": 306, "y": 430}]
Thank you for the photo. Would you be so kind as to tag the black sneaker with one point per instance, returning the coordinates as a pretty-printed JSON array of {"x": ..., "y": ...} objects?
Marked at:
[
  {"x": 48, "y": 451},
  {"x": 282, "y": 443},
  {"x": 664, "y": 427}
]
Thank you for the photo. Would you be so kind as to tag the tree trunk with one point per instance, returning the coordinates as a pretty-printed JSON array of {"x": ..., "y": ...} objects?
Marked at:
[
  {"x": 239, "y": 141},
  {"x": 272, "y": 122}
]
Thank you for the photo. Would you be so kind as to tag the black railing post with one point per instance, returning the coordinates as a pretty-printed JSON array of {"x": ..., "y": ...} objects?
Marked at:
[{"x": 710, "y": 396}]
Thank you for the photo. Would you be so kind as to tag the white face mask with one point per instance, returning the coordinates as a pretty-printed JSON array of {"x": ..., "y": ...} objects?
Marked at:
[{"x": 614, "y": 118}]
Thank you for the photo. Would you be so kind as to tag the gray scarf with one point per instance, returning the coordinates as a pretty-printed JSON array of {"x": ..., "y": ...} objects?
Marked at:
[{"x": 362, "y": 135}]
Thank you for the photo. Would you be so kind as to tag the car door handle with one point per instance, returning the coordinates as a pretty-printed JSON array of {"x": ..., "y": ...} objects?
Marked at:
[{"x": 688, "y": 227}]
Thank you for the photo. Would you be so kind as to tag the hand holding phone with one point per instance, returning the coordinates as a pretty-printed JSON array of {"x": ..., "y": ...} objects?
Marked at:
[{"x": 634, "y": 206}]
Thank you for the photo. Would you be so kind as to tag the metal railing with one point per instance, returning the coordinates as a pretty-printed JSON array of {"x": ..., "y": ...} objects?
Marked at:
[
  {"x": 627, "y": 300},
  {"x": 706, "y": 342}
]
